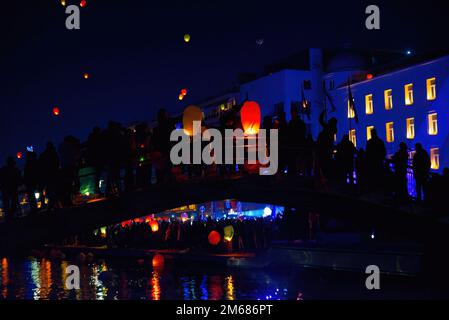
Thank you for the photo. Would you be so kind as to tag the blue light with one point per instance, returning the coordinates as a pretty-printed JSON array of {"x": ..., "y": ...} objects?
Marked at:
[{"x": 409, "y": 52}]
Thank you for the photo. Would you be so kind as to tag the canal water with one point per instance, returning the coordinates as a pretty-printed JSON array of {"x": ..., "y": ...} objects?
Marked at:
[{"x": 137, "y": 279}]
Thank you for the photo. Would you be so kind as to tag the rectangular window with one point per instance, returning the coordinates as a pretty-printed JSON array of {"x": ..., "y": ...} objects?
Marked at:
[
  {"x": 352, "y": 137},
  {"x": 389, "y": 132},
  {"x": 408, "y": 88},
  {"x": 351, "y": 113},
  {"x": 432, "y": 124},
  {"x": 410, "y": 128},
  {"x": 388, "y": 95},
  {"x": 369, "y": 104},
  {"x": 368, "y": 132},
  {"x": 431, "y": 89},
  {"x": 435, "y": 158}
]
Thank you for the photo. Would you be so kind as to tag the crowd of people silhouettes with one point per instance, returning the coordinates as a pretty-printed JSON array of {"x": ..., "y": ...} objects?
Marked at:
[{"x": 127, "y": 158}]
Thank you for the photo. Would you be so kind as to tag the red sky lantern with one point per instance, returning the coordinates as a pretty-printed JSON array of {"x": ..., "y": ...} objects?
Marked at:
[
  {"x": 369, "y": 76},
  {"x": 154, "y": 226},
  {"x": 191, "y": 114},
  {"x": 214, "y": 238},
  {"x": 184, "y": 92},
  {"x": 250, "y": 117},
  {"x": 83, "y": 3},
  {"x": 19, "y": 155},
  {"x": 158, "y": 260},
  {"x": 56, "y": 111}
]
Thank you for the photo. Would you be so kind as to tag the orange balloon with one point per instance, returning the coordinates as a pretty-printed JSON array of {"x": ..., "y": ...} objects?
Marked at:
[
  {"x": 191, "y": 114},
  {"x": 214, "y": 238},
  {"x": 250, "y": 117}
]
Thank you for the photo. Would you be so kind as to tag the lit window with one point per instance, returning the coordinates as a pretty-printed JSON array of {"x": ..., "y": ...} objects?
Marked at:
[
  {"x": 389, "y": 132},
  {"x": 351, "y": 113},
  {"x": 433, "y": 124},
  {"x": 408, "y": 94},
  {"x": 369, "y": 104},
  {"x": 352, "y": 137},
  {"x": 435, "y": 158},
  {"x": 368, "y": 132},
  {"x": 410, "y": 128},
  {"x": 388, "y": 94},
  {"x": 431, "y": 89}
]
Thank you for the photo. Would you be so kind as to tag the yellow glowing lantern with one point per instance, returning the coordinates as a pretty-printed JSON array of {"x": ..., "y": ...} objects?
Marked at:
[
  {"x": 154, "y": 226},
  {"x": 187, "y": 37},
  {"x": 180, "y": 97},
  {"x": 63, "y": 3},
  {"x": 228, "y": 233},
  {"x": 103, "y": 232},
  {"x": 86, "y": 76},
  {"x": 191, "y": 114},
  {"x": 250, "y": 117}
]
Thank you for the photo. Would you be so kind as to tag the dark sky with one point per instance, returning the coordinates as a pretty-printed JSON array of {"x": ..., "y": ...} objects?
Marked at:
[{"x": 138, "y": 62}]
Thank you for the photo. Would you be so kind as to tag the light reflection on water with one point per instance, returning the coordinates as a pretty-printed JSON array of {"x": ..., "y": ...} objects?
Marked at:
[{"x": 44, "y": 279}]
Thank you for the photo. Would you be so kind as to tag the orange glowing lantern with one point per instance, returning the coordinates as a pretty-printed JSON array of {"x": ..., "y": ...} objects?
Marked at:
[
  {"x": 180, "y": 97},
  {"x": 154, "y": 226},
  {"x": 19, "y": 155},
  {"x": 214, "y": 238},
  {"x": 184, "y": 92},
  {"x": 369, "y": 76},
  {"x": 83, "y": 3},
  {"x": 158, "y": 260},
  {"x": 63, "y": 3},
  {"x": 56, "y": 111},
  {"x": 191, "y": 114},
  {"x": 86, "y": 76},
  {"x": 250, "y": 117}
]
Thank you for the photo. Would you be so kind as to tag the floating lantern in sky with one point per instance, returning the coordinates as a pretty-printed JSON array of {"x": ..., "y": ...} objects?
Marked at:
[
  {"x": 214, "y": 238},
  {"x": 250, "y": 117},
  {"x": 184, "y": 92},
  {"x": 86, "y": 75},
  {"x": 158, "y": 260},
  {"x": 180, "y": 97},
  {"x": 154, "y": 226},
  {"x": 63, "y": 3},
  {"x": 187, "y": 38},
  {"x": 191, "y": 114},
  {"x": 56, "y": 111},
  {"x": 19, "y": 155},
  {"x": 228, "y": 233},
  {"x": 83, "y": 3}
]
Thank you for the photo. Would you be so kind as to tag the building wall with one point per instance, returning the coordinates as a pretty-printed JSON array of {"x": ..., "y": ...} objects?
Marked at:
[{"x": 419, "y": 110}]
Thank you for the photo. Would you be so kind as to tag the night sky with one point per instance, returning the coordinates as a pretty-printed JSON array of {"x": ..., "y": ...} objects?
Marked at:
[{"x": 138, "y": 62}]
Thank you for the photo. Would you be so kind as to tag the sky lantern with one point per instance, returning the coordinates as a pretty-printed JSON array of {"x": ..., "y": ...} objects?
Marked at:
[
  {"x": 86, "y": 75},
  {"x": 83, "y": 3},
  {"x": 214, "y": 238},
  {"x": 250, "y": 117},
  {"x": 187, "y": 38},
  {"x": 56, "y": 111},
  {"x": 158, "y": 260},
  {"x": 184, "y": 92},
  {"x": 369, "y": 76},
  {"x": 19, "y": 155},
  {"x": 154, "y": 226},
  {"x": 191, "y": 114},
  {"x": 63, "y": 3},
  {"x": 228, "y": 233},
  {"x": 180, "y": 97}
]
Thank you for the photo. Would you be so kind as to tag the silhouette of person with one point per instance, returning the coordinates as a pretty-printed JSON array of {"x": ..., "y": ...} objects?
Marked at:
[
  {"x": 421, "y": 169},
  {"x": 325, "y": 145},
  {"x": 345, "y": 159},
  {"x": 10, "y": 180},
  {"x": 283, "y": 134},
  {"x": 31, "y": 175},
  {"x": 49, "y": 166},
  {"x": 375, "y": 154},
  {"x": 296, "y": 143},
  {"x": 400, "y": 162}
]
